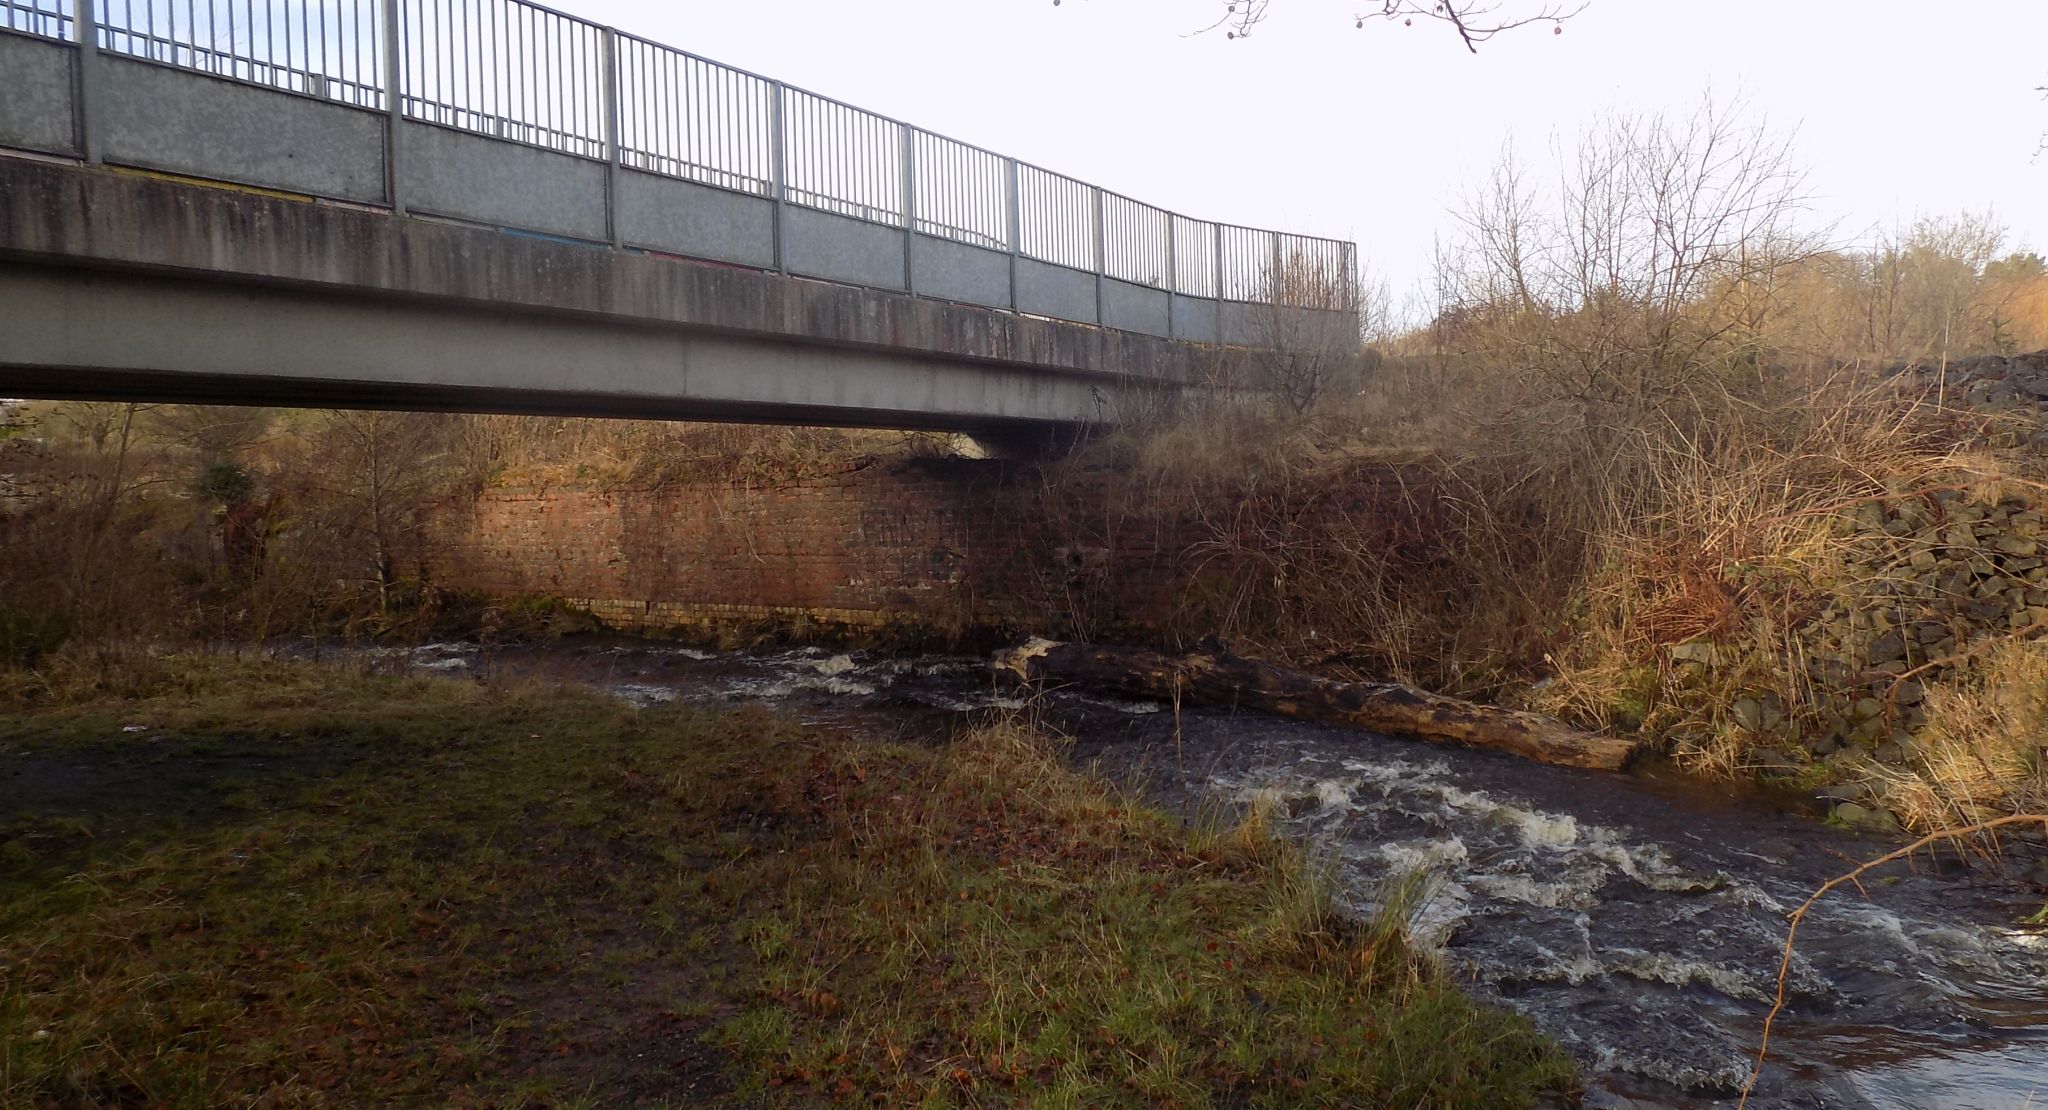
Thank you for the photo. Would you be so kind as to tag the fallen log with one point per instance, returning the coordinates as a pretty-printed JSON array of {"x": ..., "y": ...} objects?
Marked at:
[{"x": 1213, "y": 676}]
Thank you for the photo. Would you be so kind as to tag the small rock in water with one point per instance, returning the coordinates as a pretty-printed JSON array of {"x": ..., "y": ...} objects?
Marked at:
[
  {"x": 1842, "y": 792},
  {"x": 1771, "y": 761},
  {"x": 1859, "y": 816}
]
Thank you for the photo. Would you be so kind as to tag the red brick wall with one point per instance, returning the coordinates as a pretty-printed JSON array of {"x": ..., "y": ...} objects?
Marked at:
[{"x": 935, "y": 545}]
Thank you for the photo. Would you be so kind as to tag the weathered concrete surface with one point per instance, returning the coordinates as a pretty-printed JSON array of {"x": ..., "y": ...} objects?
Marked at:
[
  {"x": 326, "y": 304},
  {"x": 73, "y": 216},
  {"x": 170, "y": 119},
  {"x": 696, "y": 221},
  {"x": 103, "y": 333},
  {"x": 454, "y": 173},
  {"x": 38, "y": 107}
]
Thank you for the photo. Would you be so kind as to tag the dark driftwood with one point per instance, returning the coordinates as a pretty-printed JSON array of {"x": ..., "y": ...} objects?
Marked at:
[{"x": 1213, "y": 676}]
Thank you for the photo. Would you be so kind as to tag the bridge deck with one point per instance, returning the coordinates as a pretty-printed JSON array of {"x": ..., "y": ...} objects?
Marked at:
[{"x": 483, "y": 220}]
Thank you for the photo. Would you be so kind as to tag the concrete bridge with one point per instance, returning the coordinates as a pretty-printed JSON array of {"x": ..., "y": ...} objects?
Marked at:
[{"x": 486, "y": 205}]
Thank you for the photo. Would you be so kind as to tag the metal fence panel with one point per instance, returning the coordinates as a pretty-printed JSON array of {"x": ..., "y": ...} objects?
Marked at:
[
  {"x": 50, "y": 19},
  {"x": 515, "y": 70},
  {"x": 684, "y": 116},
  {"x": 961, "y": 191},
  {"x": 506, "y": 69},
  {"x": 842, "y": 159},
  {"x": 1056, "y": 218},
  {"x": 1194, "y": 257},
  {"x": 1312, "y": 272},
  {"x": 323, "y": 48},
  {"x": 1137, "y": 239}
]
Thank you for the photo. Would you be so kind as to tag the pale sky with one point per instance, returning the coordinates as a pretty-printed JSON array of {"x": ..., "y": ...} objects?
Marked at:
[{"x": 1901, "y": 108}]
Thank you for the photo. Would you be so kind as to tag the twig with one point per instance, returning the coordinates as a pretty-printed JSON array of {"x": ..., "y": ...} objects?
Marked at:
[{"x": 1799, "y": 915}]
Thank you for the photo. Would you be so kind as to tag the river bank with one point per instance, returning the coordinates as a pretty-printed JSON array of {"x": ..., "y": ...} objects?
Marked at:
[
  {"x": 1637, "y": 924},
  {"x": 1638, "y": 919},
  {"x": 232, "y": 879}
]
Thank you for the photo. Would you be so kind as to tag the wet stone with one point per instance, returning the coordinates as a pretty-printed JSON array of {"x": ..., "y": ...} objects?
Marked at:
[
  {"x": 1859, "y": 816},
  {"x": 1771, "y": 761}
]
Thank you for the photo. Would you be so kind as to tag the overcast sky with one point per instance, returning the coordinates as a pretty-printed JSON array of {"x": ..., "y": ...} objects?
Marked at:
[{"x": 1310, "y": 125}]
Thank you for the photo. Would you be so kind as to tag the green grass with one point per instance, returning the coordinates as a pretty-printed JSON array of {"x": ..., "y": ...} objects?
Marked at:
[{"x": 308, "y": 886}]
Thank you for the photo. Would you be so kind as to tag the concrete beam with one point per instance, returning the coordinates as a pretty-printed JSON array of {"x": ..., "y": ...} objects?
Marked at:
[
  {"x": 106, "y": 334},
  {"x": 67, "y": 215}
]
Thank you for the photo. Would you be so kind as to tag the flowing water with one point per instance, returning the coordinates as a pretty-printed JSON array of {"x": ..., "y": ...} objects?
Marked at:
[{"x": 1640, "y": 920}]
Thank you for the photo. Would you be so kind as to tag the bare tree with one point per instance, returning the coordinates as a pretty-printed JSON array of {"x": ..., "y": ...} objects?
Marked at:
[
  {"x": 2043, "y": 148},
  {"x": 1476, "y": 21},
  {"x": 369, "y": 497},
  {"x": 1644, "y": 268}
]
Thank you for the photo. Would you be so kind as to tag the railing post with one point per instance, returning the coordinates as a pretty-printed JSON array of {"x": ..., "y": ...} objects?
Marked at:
[
  {"x": 394, "y": 108},
  {"x": 1218, "y": 260},
  {"x": 1172, "y": 276},
  {"x": 611, "y": 135},
  {"x": 87, "y": 24},
  {"x": 909, "y": 210},
  {"x": 778, "y": 172},
  {"x": 1101, "y": 258},
  {"x": 1273, "y": 282},
  {"x": 1015, "y": 214}
]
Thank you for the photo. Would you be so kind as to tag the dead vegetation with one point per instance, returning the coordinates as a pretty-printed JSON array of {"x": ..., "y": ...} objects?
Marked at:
[{"x": 1653, "y": 466}]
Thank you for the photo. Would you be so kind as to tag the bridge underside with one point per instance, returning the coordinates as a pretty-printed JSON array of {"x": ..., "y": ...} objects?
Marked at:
[
  {"x": 115, "y": 285},
  {"x": 104, "y": 335}
]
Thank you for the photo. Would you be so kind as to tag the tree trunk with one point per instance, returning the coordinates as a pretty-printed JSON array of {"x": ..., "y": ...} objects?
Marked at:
[{"x": 1212, "y": 676}]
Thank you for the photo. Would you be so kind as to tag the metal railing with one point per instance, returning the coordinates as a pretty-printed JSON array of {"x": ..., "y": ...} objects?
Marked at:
[{"x": 521, "y": 72}]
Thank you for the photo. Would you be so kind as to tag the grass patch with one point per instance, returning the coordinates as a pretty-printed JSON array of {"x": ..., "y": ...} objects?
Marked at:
[{"x": 381, "y": 890}]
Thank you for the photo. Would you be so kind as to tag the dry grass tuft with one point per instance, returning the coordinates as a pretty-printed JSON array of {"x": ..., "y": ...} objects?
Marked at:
[{"x": 1984, "y": 751}]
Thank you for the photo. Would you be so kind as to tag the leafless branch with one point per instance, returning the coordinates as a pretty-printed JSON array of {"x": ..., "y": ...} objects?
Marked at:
[
  {"x": 1855, "y": 876},
  {"x": 1476, "y": 21}
]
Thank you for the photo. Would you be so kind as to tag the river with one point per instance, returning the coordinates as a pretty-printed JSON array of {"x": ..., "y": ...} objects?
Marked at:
[{"x": 1637, "y": 919}]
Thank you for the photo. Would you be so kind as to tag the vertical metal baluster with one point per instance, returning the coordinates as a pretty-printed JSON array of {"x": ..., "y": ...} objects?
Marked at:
[
  {"x": 1172, "y": 274},
  {"x": 478, "y": 48},
  {"x": 87, "y": 23},
  {"x": 394, "y": 109},
  {"x": 1217, "y": 265},
  {"x": 500, "y": 72},
  {"x": 611, "y": 134},
  {"x": 1101, "y": 259},
  {"x": 468, "y": 70},
  {"x": 779, "y": 172},
  {"x": 1013, "y": 211},
  {"x": 909, "y": 196},
  {"x": 1275, "y": 287},
  {"x": 430, "y": 60}
]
